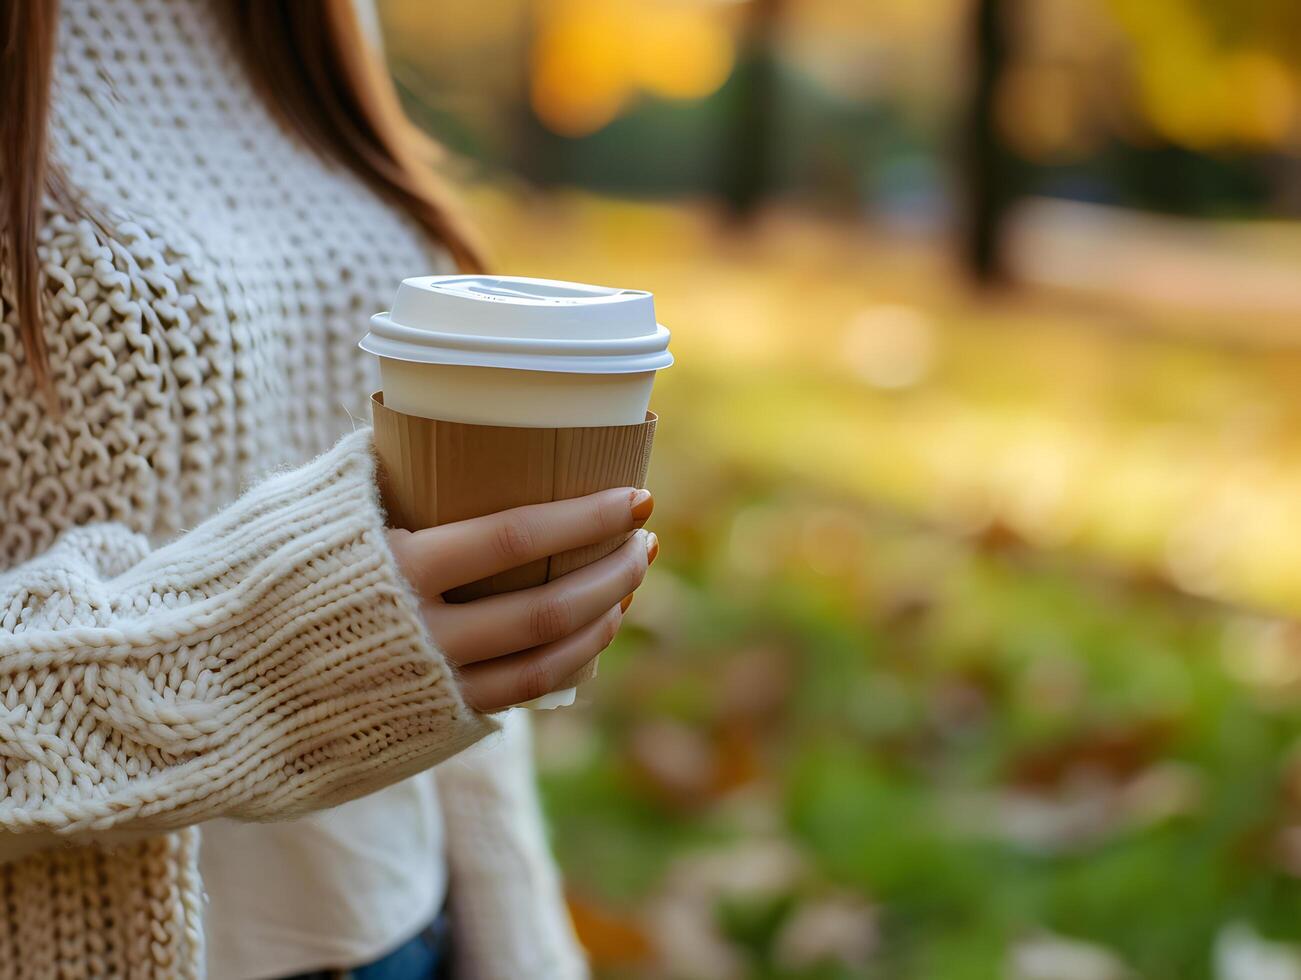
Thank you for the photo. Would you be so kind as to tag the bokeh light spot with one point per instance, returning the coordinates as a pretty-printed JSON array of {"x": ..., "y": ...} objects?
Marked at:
[
  {"x": 889, "y": 346},
  {"x": 682, "y": 53}
]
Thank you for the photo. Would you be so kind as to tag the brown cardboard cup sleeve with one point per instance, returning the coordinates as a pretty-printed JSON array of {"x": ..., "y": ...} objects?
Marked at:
[{"x": 433, "y": 472}]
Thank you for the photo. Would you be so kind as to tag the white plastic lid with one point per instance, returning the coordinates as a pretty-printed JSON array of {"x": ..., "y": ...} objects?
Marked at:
[{"x": 519, "y": 323}]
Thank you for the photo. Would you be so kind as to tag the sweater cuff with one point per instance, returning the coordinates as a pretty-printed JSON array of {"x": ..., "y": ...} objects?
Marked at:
[
  {"x": 322, "y": 682},
  {"x": 368, "y": 700}
]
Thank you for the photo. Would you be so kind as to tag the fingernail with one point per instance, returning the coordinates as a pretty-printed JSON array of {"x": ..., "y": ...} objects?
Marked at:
[
  {"x": 627, "y": 601},
  {"x": 652, "y": 547},
  {"x": 642, "y": 505}
]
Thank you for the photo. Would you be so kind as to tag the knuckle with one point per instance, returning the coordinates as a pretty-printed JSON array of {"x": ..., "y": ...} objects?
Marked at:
[
  {"x": 603, "y": 514},
  {"x": 512, "y": 540},
  {"x": 549, "y": 619},
  {"x": 535, "y": 678},
  {"x": 632, "y": 573},
  {"x": 609, "y": 630}
]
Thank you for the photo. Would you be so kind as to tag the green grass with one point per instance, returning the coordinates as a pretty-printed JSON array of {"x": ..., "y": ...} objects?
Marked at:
[{"x": 921, "y": 688}]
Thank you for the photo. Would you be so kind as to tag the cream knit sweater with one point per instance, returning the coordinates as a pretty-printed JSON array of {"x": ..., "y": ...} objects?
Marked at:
[{"x": 182, "y": 635}]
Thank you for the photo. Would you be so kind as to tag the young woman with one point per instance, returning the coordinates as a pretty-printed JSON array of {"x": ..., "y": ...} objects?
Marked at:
[{"x": 200, "y": 203}]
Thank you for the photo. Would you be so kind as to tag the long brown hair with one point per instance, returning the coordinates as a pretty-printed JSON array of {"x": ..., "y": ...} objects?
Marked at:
[{"x": 311, "y": 62}]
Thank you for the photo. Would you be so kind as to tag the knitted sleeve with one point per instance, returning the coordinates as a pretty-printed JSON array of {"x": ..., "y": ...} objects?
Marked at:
[{"x": 266, "y": 663}]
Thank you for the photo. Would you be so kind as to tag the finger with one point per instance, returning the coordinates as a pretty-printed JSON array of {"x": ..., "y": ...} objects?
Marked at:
[
  {"x": 503, "y": 624},
  {"x": 402, "y": 544},
  {"x": 466, "y": 551},
  {"x": 504, "y": 681}
]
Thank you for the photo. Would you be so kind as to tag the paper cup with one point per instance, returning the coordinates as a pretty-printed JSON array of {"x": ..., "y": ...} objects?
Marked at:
[
  {"x": 501, "y": 391},
  {"x": 435, "y": 472}
]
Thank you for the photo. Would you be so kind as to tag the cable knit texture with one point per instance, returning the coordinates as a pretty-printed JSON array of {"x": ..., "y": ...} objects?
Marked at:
[
  {"x": 182, "y": 636},
  {"x": 267, "y": 663}
]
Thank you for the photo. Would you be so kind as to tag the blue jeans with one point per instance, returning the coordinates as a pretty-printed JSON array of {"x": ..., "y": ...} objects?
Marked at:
[{"x": 426, "y": 957}]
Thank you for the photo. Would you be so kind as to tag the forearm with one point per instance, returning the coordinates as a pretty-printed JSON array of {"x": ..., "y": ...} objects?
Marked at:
[{"x": 267, "y": 663}]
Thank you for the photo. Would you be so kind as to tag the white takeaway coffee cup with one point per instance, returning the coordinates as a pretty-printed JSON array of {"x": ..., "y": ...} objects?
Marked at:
[
  {"x": 507, "y": 350},
  {"x": 519, "y": 352}
]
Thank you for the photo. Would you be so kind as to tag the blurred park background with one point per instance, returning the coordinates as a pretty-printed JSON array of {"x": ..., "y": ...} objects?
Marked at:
[{"x": 971, "y": 652}]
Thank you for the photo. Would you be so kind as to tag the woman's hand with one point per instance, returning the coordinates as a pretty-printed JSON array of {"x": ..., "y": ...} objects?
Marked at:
[{"x": 515, "y": 647}]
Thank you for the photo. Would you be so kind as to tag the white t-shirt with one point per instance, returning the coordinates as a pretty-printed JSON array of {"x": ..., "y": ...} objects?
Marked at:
[{"x": 336, "y": 889}]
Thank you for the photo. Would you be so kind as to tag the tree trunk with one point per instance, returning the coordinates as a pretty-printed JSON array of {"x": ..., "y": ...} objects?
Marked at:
[
  {"x": 988, "y": 171},
  {"x": 747, "y": 154}
]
